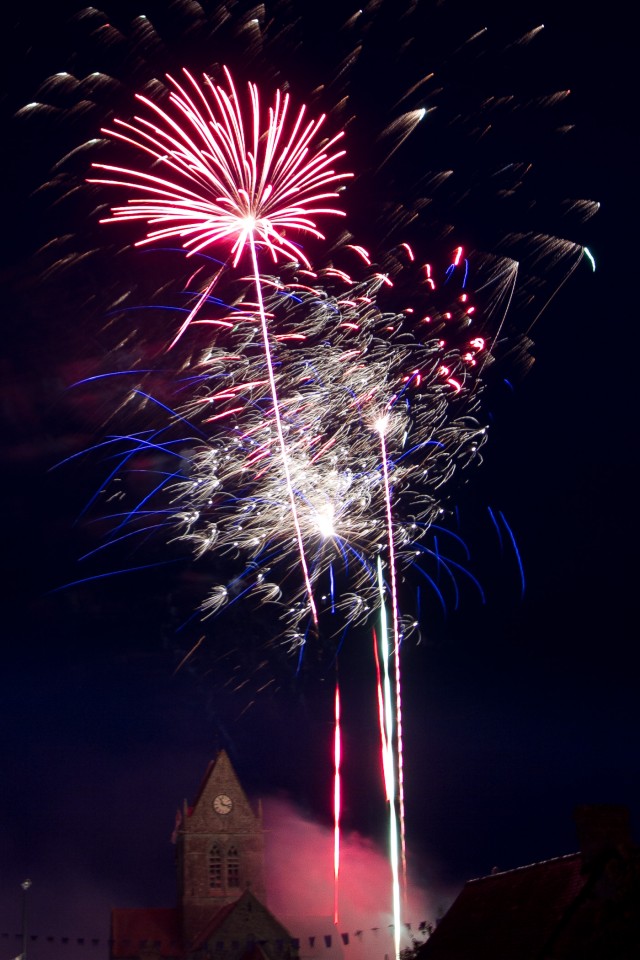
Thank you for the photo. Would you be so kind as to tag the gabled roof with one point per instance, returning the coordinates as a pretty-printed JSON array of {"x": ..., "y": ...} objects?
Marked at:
[
  {"x": 132, "y": 929},
  {"x": 216, "y": 925},
  {"x": 508, "y": 915}
]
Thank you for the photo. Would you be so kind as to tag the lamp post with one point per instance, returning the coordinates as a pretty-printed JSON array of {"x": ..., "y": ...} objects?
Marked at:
[{"x": 25, "y": 887}]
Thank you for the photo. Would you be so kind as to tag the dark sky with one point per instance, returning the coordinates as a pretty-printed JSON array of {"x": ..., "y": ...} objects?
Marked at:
[{"x": 515, "y": 710}]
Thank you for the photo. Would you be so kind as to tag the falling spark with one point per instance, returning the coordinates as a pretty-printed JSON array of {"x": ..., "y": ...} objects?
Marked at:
[{"x": 403, "y": 126}]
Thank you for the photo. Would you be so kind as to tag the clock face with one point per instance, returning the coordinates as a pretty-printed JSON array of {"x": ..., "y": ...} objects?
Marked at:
[{"x": 222, "y": 804}]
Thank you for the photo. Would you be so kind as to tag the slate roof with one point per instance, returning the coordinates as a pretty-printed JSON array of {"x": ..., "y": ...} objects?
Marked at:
[
  {"x": 219, "y": 918},
  {"x": 214, "y": 924},
  {"x": 508, "y": 914},
  {"x": 562, "y": 909}
]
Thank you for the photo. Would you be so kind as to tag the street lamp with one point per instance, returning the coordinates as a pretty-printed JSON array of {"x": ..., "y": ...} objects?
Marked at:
[{"x": 25, "y": 887}]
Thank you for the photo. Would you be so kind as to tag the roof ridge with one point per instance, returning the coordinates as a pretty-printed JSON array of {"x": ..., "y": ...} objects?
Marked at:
[{"x": 526, "y": 866}]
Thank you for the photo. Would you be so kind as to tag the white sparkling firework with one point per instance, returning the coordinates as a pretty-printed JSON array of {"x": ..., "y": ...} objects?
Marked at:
[{"x": 344, "y": 366}]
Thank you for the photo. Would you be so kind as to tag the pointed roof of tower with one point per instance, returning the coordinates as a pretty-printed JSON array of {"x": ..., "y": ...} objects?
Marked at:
[
  {"x": 220, "y": 776},
  {"x": 221, "y": 760}
]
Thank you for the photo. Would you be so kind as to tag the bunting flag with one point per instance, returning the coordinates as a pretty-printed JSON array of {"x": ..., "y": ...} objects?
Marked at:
[{"x": 172, "y": 948}]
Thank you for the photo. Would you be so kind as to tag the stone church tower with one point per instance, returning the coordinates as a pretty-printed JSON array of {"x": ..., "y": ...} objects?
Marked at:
[
  {"x": 219, "y": 848},
  {"x": 220, "y": 910}
]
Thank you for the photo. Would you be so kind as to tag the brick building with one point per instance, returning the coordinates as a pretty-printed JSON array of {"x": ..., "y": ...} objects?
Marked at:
[{"x": 220, "y": 911}]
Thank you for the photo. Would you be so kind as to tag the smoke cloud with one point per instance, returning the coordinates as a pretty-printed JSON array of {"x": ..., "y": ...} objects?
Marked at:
[{"x": 299, "y": 865}]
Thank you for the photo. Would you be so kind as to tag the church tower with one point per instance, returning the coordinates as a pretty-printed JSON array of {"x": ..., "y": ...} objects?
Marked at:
[{"x": 219, "y": 849}]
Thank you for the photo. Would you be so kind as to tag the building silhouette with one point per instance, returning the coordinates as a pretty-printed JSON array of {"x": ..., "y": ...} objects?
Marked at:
[{"x": 584, "y": 906}]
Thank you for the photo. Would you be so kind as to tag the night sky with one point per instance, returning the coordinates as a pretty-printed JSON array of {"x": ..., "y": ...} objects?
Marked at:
[{"x": 516, "y": 709}]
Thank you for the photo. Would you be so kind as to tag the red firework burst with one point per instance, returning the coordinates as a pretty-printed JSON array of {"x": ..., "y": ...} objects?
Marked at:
[{"x": 226, "y": 173}]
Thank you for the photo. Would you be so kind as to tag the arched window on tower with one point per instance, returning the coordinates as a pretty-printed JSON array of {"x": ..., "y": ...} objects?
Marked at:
[
  {"x": 233, "y": 868},
  {"x": 215, "y": 867}
]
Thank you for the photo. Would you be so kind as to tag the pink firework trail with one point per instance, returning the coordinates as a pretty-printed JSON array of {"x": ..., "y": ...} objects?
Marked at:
[
  {"x": 336, "y": 807},
  {"x": 225, "y": 179},
  {"x": 384, "y": 750}
]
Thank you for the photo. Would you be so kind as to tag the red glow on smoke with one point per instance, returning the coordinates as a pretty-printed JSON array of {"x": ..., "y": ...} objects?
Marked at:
[{"x": 297, "y": 847}]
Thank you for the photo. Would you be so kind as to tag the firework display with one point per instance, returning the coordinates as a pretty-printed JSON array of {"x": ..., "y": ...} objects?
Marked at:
[
  {"x": 226, "y": 174},
  {"x": 369, "y": 411},
  {"x": 326, "y": 402},
  {"x": 232, "y": 177},
  {"x": 347, "y": 373},
  {"x": 368, "y": 419}
]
